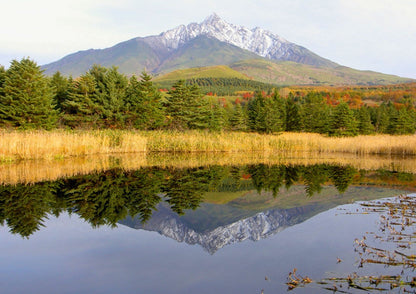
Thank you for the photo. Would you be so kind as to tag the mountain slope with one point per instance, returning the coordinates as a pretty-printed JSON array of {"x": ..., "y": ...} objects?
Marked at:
[
  {"x": 204, "y": 51},
  {"x": 131, "y": 57},
  {"x": 219, "y": 71},
  {"x": 291, "y": 73}
]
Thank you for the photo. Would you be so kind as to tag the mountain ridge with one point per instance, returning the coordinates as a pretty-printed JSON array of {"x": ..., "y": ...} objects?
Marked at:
[{"x": 216, "y": 42}]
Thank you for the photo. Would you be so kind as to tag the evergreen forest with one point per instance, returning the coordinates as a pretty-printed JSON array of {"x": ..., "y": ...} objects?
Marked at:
[{"x": 105, "y": 98}]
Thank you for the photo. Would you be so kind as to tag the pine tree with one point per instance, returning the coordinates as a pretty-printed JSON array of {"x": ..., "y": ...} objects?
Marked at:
[
  {"x": 144, "y": 109},
  {"x": 275, "y": 114},
  {"x": 218, "y": 118},
  {"x": 61, "y": 87},
  {"x": 27, "y": 97},
  {"x": 381, "y": 117},
  {"x": 365, "y": 126},
  {"x": 185, "y": 107},
  {"x": 176, "y": 108},
  {"x": 343, "y": 122},
  {"x": 198, "y": 109},
  {"x": 256, "y": 110},
  {"x": 2, "y": 78},
  {"x": 293, "y": 115},
  {"x": 315, "y": 114},
  {"x": 110, "y": 91},
  {"x": 80, "y": 109},
  {"x": 402, "y": 122},
  {"x": 238, "y": 119}
]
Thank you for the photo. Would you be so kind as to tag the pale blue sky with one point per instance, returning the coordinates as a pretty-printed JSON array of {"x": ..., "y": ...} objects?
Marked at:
[{"x": 377, "y": 35}]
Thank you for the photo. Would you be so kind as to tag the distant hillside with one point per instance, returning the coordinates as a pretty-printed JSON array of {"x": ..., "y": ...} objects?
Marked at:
[
  {"x": 291, "y": 73},
  {"x": 131, "y": 57},
  {"x": 219, "y": 71}
]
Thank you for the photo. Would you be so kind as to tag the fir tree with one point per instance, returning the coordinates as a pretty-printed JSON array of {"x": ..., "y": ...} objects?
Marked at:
[
  {"x": 185, "y": 107},
  {"x": 315, "y": 114},
  {"x": 198, "y": 109},
  {"x": 176, "y": 108},
  {"x": 381, "y": 117},
  {"x": 80, "y": 108},
  {"x": 293, "y": 115},
  {"x": 343, "y": 122},
  {"x": 2, "y": 78},
  {"x": 256, "y": 110},
  {"x": 144, "y": 109},
  {"x": 61, "y": 87},
  {"x": 402, "y": 122},
  {"x": 365, "y": 126},
  {"x": 218, "y": 119},
  {"x": 238, "y": 119},
  {"x": 27, "y": 97},
  {"x": 275, "y": 114},
  {"x": 110, "y": 91}
]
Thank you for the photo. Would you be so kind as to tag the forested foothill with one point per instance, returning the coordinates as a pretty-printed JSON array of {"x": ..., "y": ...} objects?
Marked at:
[{"x": 105, "y": 98}]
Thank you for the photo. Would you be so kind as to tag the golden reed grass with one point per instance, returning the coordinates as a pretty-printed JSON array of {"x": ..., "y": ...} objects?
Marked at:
[{"x": 19, "y": 145}]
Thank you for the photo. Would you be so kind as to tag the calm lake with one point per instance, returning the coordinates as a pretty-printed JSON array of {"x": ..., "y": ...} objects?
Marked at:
[{"x": 195, "y": 227}]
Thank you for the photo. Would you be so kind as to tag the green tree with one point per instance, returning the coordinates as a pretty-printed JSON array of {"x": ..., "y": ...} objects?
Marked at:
[
  {"x": 198, "y": 109},
  {"x": 238, "y": 118},
  {"x": 315, "y": 113},
  {"x": 365, "y": 126},
  {"x": 293, "y": 115},
  {"x": 2, "y": 78},
  {"x": 402, "y": 122},
  {"x": 80, "y": 109},
  {"x": 27, "y": 97},
  {"x": 266, "y": 115},
  {"x": 110, "y": 94},
  {"x": 60, "y": 87},
  {"x": 381, "y": 117},
  {"x": 144, "y": 108},
  {"x": 342, "y": 121},
  {"x": 185, "y": 107},
  {"x": 218, "y": 117},
  {"x": 275, "y": 118}
]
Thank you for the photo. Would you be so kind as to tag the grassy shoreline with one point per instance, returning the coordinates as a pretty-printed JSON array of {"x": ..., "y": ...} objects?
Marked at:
[{"x": 58, "y": 144}]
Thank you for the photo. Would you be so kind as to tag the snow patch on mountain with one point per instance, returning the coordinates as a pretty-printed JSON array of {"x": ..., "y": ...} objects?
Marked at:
[{"x": 257, "y": 40}]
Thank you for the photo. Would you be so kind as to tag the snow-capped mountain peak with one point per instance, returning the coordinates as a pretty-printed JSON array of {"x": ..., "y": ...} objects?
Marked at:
[{"x": 257, "y": 40}]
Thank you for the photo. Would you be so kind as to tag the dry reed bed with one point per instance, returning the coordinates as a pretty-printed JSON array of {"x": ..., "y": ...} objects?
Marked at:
[{"x": 18, "y": 145}]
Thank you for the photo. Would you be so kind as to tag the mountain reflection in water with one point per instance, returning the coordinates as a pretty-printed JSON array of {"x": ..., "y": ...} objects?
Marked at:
[{"x": 261, "y": 199}]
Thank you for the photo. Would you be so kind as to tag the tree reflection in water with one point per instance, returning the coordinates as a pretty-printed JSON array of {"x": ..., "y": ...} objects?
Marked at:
[{"x": 108, "y": 197}]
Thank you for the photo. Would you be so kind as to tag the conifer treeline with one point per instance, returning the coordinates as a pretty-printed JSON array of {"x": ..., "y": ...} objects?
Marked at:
[
  {"x": 223, "y": 86},
  {"x": 105, "y": 98}
]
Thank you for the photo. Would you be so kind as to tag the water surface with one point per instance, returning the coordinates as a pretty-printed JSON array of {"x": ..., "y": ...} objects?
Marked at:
[{"x": 205, "y": 229}]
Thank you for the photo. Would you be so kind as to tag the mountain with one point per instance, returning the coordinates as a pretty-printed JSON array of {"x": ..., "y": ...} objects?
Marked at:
[
  {"x": 257, "y": 53},
  {"x": 258, "y": 41},
  {"x": 211, "y": 42},
  {"x": 259, "y": 226}
]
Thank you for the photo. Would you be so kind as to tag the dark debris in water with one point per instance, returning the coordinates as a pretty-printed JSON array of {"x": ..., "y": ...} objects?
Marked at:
[{"x": 395, "y": 239}]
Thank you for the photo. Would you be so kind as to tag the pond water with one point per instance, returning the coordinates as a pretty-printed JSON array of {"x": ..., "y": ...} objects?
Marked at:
[{"x": 205, "y": 229}]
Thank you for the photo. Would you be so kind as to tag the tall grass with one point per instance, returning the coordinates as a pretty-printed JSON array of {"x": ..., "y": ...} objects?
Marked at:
[{"x": 18, "y": 145}]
